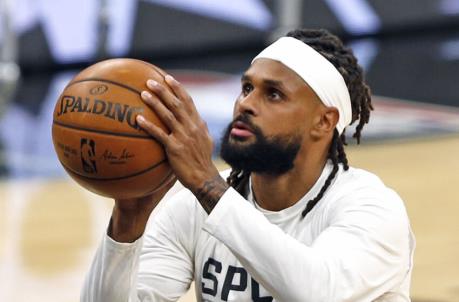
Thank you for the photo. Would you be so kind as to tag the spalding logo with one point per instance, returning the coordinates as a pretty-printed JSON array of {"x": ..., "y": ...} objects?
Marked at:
[
  {"x": 99, "y": 89},
  {"x": 111, "y": 110}
]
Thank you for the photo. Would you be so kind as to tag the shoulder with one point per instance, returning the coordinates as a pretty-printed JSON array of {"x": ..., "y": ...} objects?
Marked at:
[
  {"x": 363, "y": 202},
  {"x": 360, "y": 178},
  {"x": 361, "y": 188},
  {"x": 357, "y": 182}
]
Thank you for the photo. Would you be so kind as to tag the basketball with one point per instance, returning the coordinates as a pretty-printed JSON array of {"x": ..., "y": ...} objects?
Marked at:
[{"x": 95, "y": 134}]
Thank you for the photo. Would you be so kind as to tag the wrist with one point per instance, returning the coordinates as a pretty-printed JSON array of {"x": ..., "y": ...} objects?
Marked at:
[
  {"x": 127, "y": 226},
  {"x": 210, "y": 191}
]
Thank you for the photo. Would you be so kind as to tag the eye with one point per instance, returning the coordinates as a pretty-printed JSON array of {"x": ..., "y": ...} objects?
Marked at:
[
  {"x": 274, "y": 94},
  {"x": 246, "y": 88}
]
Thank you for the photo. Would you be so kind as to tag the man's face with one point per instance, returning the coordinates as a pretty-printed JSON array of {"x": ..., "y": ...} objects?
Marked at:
[{"x": 271, "y": 120}]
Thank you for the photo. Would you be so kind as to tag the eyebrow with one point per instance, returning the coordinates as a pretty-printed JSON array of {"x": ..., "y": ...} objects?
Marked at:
[{"x": 266, "y": 82}]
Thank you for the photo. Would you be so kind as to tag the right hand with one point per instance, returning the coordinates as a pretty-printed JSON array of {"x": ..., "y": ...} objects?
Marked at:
[{"x": 130, "y": 216}]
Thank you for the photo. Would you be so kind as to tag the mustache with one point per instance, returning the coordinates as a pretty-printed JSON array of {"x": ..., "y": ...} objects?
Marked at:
[{"x": 245, "y": 118}]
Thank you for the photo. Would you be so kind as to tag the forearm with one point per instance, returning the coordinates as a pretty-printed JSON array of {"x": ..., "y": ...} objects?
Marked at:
[
  {"x": 113, "y": 273},
  {"x": 286, "y": 268},
  {"x": 145, "y": 270},
  {"x": 342, "y": 264}
]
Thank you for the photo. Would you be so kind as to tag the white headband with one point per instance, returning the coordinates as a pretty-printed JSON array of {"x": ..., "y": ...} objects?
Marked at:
[{"x": 316, "y": 71}]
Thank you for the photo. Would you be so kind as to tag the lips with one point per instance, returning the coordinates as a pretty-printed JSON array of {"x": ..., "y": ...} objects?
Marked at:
[
  {"x": 242, "y": 125},
  {"x": 241, "y": 129}
]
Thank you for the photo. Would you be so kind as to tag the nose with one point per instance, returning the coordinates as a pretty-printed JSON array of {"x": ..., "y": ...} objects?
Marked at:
[{"x": 247, "y": 104}]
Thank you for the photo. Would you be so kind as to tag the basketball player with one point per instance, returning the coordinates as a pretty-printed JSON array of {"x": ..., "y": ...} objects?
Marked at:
[{"x": 292, "y": 221}]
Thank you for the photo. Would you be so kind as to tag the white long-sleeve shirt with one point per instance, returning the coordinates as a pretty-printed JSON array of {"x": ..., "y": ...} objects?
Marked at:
[{"x": 355, "y": 245}]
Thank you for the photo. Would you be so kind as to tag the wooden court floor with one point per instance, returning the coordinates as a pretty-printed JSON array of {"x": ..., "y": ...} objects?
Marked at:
[{"x": 49, "y": 230}]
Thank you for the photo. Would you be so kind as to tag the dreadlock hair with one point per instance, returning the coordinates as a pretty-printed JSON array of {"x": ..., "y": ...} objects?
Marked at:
[{"x": 329, "y": 46}]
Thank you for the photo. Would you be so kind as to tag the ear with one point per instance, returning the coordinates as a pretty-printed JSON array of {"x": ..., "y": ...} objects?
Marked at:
[{"x": 325, "y": 122}]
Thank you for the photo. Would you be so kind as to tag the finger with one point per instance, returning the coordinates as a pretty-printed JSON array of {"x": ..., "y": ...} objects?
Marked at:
[
  {"x": 167, "y": 97},
  {"x": 166, "y": 116},
  {"x": 155, "y": 131},
  {"x": 181, "y": 93}
]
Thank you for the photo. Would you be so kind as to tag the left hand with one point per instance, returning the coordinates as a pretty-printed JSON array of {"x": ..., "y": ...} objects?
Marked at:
[{"x": 189, "y": 145}]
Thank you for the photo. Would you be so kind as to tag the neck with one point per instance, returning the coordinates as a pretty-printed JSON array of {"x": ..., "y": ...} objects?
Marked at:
[{"x": 277, "y": 192}]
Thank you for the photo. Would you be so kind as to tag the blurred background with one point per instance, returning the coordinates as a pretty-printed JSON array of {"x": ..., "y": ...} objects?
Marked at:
[{"x": 409, "y": 49}]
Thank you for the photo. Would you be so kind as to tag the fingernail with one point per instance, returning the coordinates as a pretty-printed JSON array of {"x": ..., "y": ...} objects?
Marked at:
[
  {"x": 140, "y": 119},
  {"x": 168, "y": 77},
  {"x": 145, "y": 95},
  {"x": 152, "y": 83}
]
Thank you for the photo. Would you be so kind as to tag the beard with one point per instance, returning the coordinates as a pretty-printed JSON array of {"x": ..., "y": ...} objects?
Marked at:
[{"x": 273, "y": 155}]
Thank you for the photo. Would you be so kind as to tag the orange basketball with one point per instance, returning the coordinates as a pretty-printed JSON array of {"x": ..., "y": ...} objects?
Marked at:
[{"x": 95, "y": 134}]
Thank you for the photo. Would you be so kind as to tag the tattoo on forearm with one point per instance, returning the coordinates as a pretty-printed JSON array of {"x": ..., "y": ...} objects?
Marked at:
[{"x": 211, "y": 192}]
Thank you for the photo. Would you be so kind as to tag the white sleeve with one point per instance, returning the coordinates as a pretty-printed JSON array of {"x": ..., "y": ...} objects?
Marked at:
[
  {"x": 157, "y": 267},
  {"x": 357, "y": 258},
  {"x": 113, "y": 272}
]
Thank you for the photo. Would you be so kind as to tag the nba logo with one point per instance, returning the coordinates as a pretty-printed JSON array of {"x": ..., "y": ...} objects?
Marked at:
[{"x": 88, "y": 154}]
